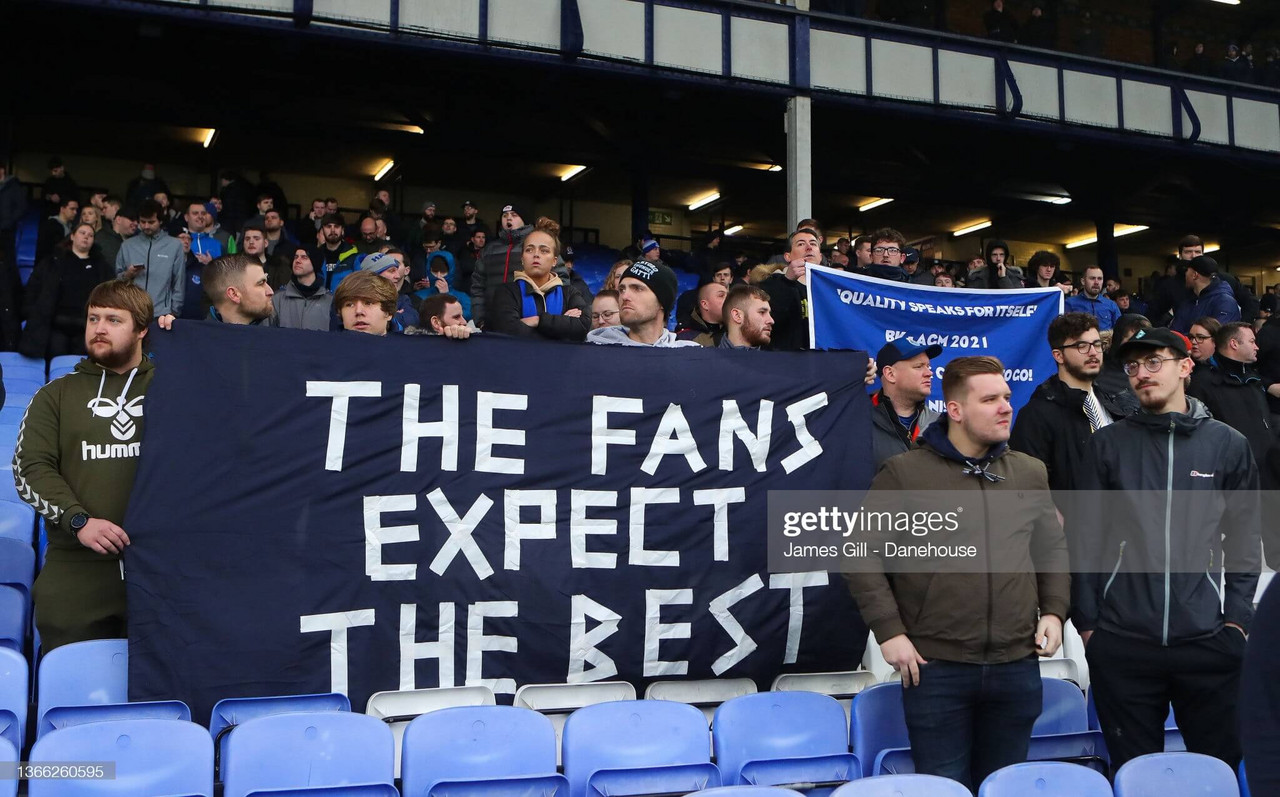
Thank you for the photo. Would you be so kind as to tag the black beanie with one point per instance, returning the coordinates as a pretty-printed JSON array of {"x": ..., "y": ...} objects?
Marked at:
[
  {"x": 515, "y": 208},
  {"x": 660, "y": 279}
]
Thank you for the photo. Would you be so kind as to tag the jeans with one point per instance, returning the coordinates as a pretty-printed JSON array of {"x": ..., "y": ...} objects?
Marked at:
[{"x": 965, "y": 721}]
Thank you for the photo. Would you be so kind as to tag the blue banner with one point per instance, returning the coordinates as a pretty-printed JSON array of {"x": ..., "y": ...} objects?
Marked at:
[
  {"x": 336, "y": 511},
  {"x": 847, "y": 311}
]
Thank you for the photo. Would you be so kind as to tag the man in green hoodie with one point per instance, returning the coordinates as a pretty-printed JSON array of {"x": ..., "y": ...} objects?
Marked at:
[{"x": 75, "y": 461}]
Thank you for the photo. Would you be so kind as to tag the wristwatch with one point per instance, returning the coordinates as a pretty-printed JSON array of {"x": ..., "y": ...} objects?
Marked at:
[{"x": 78, "y": 521}]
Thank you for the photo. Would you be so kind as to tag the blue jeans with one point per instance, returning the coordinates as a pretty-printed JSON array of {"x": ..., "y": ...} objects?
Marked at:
[{"x": 965, "y": 721}]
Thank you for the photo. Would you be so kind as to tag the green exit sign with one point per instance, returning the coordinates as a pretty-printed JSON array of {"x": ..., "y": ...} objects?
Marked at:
[{"x": 660, "y": 217}]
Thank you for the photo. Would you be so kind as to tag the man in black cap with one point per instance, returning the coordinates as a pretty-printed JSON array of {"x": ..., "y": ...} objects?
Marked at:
[
  {"x": 911, "y": 265},
  {"x": 900, "y": 409},
  {"x": 1207, "y": 295},
  {"x": 1160, "y": 621},
  {"x": 647, "y": 293},
  {"x": 500, "y": 260},
  {"x": 471, "y": 220}
]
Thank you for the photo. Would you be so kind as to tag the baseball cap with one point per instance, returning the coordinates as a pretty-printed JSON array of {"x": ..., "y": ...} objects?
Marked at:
[
  {"x": 1155, "y": 338},
  {"x": 893, "y": 353}
]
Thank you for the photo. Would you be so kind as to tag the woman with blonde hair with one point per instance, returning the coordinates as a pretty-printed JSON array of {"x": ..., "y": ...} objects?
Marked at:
[{"x": 537, "y": 302}]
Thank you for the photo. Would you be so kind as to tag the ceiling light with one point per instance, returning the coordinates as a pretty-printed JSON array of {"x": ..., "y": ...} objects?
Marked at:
[
  {"x": 386, "y": 167},
  {"x": 734, "y": 230},
  {"x": 982, "y": 225},
  {"x": 775, "y": 168},
  {"x": 1059, "y": 200},
  {"x": 1211, "y": 248},
  {"x": 873, "y": 204},
  {"x": 1228, "y": 2},
  {"x": 706, "y": 200},
  {"x": 209, "y": 137},
  {"x": 1120, "y": 231},
  {"x": 573, "y": 172}
]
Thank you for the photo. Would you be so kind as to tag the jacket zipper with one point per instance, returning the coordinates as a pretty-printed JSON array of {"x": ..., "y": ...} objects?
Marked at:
[
  {"x": 986, "y": 647},
  {"x": 1213, "y": 582},
  {"x": 1168, "y": 520},
  {"x": 1115, "y": 570}
]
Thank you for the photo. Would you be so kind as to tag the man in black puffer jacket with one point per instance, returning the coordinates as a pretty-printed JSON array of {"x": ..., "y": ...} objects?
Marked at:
[
  {"x": 500, "y": 260},
  {"x": 1181, "y": 510}
]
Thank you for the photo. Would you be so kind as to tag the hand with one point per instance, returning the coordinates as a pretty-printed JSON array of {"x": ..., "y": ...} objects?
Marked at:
[
  {"x": 1239, "y": 628},
  {"x": 132, "y": 271},
  {"x": 573, "y": 313},
  {"x": 165, "y": 321},
  {"x": 1048, "y": 635},
  {"x": 1084, "y": 637},
  {"x": 103, "y": 536},
  {"x": 422, "y": 283},
  {"x": 457, "y": 332},
  {"x": 442, "y": 285},
  {"x": 900, "y": 653},
  {"x": 1000, "y": 270},
  {"x": 320, "y": 237},
  {"x": 870, "y": 378},
  {"x": 795, "y": 269},
  {"x": 204, "y": 258}
]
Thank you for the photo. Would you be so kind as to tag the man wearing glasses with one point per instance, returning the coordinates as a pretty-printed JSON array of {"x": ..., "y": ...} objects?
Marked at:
[
  {"x": 888, "y": 253},
  {"x": 1160, "y": 622},
  {"x": 1068, "y": 408}
]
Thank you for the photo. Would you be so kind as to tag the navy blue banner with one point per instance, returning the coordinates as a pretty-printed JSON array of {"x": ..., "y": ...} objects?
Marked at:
[
  {"x": 331, "y": 511},
  {"x": 848, "y": 311}
]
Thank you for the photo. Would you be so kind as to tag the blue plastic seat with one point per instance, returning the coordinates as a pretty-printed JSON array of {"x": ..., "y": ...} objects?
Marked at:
[
  {"x": 878, "y": 729},
  {"x": 17, "y": 563},
  {"x": 750, "y": 791},
  {"x": 1062, "y": 732},
  {"x": 233, "y": 711},
  {"x": 902, "y": 786},
  {"x": 1167, "y": 774},
  {"x": 17, "y": 521},
  {"x": 1244, "y": 780},
  {"x": 84, "y": 674},
  {"x": 637, "y": 747},
  {"x": 12, "y": 415},
  {"x": 151, "y": 756},
  {"x": 14, "y": 611},
  {"x": 15, "y": 679},
  {"x": 8, "y": 358},
  {"x": 9, "y": 755},
  {"x": 308, "y": 750},
  {"x": 774, "y": 738},
  {"x": 1045, "y": 779},
  {"x": 65, "y": 361},
  {"x": 480, "y": 750},
  {"x": 59, "y": 717}
]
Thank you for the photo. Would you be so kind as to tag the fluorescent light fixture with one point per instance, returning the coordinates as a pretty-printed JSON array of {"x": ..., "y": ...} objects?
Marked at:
[
  {"x": 209, "y": 137},
  {"x": 573, "y": 172},
  {"x": 1228, "y": 2},
  {"x": 775, "y": 168},
  {"x": 706, "y": 200},
  {"x": 1211, "y": 248},
  {"x": 386, "y": 167},
  {"x": 1059, "y": 200},
  {"x": 982, "y": 225},
  {"x": 1121, "y": 230},
  {"x": 873, "y": 204},
  {"x": 734, "y": 230}
]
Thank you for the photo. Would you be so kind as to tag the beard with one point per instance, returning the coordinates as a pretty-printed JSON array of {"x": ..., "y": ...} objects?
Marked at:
[
  {"x": 756, "y": 335},
  {"x": 1083, "y": 373},
  {"x": 114, "y": 357}
]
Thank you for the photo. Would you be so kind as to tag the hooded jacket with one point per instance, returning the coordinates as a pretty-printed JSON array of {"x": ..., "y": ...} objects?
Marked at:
[
  {"x": 463, "y": 298},
  {"x": 979, "y": 617},
  {"x": 617, "y": 336},
  {"x": 1182, "y": 505},
  {"x": 164, "y": 275},
  {"x": 1234, "y": 393},
  {"x": 512, "y": 300},
  {"x": 58, "y": 292},
  {"x": 888, "y": 436},
  {"x": 985, "y": 277},
  {"x": 498, "y": 263},
  {"x": 296, "y": 310},
  {"x": 1216, "y": 301},
  {"x": 78, "y": 448}
]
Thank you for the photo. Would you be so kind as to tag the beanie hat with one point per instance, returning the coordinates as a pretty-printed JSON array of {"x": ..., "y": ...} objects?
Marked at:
[
  {"x": 333, "y": 218},
  {"x": 660, "y": 279},
  {"x": 378, "y": 263},
  {"x": 648, "y": 244},
  {"x": 512, "y": 207}
]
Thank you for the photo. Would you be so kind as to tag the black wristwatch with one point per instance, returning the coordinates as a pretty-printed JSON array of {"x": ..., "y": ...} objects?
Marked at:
[{"x": 78, "y": 521}]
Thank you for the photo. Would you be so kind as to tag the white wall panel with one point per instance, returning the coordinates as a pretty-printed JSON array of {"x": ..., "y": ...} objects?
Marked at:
[
  {"x": 904, "y": 71},
  {"x": 966, "y": 80},
  {"x": 837, "y": 61},
  {"x": 1148, "y": 107},
  {"x": 525, "y": 21},
  {"x": 1211, "y": 109},
  {"x": 613, "y": 28},
  {"x": 759, "y": 50},
  {"x": 687, "y": 39},
  {"x": 1039, "y": 87},
  {"x": 455, "y": 17},
  {"x": 1090, "y": 99},
  {"x": 1257, "y": 124}
]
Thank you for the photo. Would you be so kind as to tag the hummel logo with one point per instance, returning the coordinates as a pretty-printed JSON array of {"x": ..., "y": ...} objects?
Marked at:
[{"x": 1198, "y": 474}]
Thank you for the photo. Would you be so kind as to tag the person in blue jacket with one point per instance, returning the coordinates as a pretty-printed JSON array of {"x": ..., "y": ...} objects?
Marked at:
[
  {"x": 1091, "y": 300},
  {"x": 1208, "y": 296},
  {"x": 442, "y": 269}
]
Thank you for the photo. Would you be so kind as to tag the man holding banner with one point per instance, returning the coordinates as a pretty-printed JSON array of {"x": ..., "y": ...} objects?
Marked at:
[{"x": 788, "y": 292}]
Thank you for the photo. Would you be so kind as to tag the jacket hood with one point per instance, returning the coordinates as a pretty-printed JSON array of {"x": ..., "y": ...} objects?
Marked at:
[
  {"x": 88, "y": 366},
  {"x": 553, "y": 282},
  {"x": 993, "y": 244},
  {"x": 448, "y": 258},
  {"x": 935, "y": 438},
  {"x": 618, "y": 335},
  {"x": 1182, "y": 423}
]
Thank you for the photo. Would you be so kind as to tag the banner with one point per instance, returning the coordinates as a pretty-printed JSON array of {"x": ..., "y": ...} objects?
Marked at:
[
  {"x": 337, "y": 511},
  {"x": 848, "y": 311}
]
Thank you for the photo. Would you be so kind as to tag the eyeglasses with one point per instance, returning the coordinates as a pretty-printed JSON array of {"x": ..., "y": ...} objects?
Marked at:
[
  {"x": 1084, "y": 346},
  {"x": 604, "y": 316},
  {"x": 1153, "y": 365},
  {"x": 892, "y": 251},
  {"x": 1200, "y": 338}
]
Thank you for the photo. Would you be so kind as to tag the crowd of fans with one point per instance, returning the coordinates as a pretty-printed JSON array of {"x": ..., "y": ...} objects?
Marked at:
[{"x": 233, "y": 259}]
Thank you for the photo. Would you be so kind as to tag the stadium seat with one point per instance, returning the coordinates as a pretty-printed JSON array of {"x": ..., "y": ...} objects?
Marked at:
[
  {"x": 1244, "y": 781},
  {"x": 14, "y": 611},
  {"x": 95, "y": 672},
  {"x": 397, "y": 709},
  {"x": 10, "y": 415},
  {"x": 783, "y": 738},
  {"x": 17, "y": 521},
  {"x": 8, "y": 755},
  {"x": 1175, "y": 775},
  {"x": 477, "y": 750},
  {"x": 17, "y": 563},
  {"x": 15, "y": 679},
  {"x": 13, "y": 358},
  {"x": 151, "y": 756},
  {"x": 558, "y": 701},
  {"x": 637, "y": 747},
  {"x": 64, "y": 362},
  {"x": 1062, "y": 732},
  {"x": 233, "y": 711},
  {"x": 59, "y": 717},
  {"x": 902, "y": 786},
  {"x": 706, "y": 694},
  {"x": 1045, "y": 779},
  {"x": 878, "y": 725},
  {"x": 310, "y": 749},
  {"x": 749, "y": 791}
]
